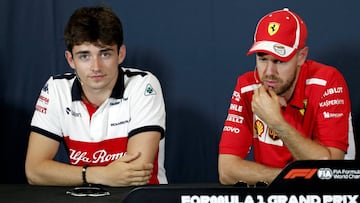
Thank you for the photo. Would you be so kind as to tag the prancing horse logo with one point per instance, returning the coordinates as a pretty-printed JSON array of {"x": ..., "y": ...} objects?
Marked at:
[{"x": 273, "y": 28}]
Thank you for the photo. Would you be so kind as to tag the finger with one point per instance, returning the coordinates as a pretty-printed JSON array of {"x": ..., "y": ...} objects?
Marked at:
[
  {"x": 139, "y": 179},
  {"x": 256, "y": 90},
  {"x": 265, "y": 87},
  {"x": 142, "y": 172},
  {"x": 271, "y": 92},
  {"x": 138, "y": 183},
  {"x": 135, "y": 181}
]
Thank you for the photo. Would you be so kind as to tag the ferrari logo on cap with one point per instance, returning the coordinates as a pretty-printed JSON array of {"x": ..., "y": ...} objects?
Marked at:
[{"x": 273, "y": 28}]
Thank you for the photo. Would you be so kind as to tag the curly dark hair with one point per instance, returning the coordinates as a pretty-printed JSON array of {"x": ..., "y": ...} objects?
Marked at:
[{"x": 97, "y": 25}]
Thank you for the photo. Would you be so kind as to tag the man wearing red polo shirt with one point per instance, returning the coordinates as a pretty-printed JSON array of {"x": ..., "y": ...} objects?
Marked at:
[{"x": 289, "y": 108}]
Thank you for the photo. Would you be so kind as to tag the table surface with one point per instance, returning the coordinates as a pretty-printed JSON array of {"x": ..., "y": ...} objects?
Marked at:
[
  {"x": 178, "y": 193},
  {"x": 53, "y": 194},
  {"x": 302, "y": 179}
]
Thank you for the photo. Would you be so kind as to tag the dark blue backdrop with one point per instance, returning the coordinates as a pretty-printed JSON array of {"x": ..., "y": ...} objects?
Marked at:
[{"x": 197, "y": 48}]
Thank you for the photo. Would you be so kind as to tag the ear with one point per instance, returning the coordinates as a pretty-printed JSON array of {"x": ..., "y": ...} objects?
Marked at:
[
  {"x": 302, "y": 55},
  {"x": 122, "y": 54},
  {"x": 70, "y": 59}
]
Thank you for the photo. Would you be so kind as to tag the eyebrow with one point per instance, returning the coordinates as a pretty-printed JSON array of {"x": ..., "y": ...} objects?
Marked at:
[
  {"x": 86, "y": 52},
  {"x": 81, "y": 52},
  {"x": 262, "y": 54},
  {"x": 106, "y": 49}
]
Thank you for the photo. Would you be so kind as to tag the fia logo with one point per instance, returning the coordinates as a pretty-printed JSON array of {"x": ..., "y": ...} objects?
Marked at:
[{"x": 324, "y": 173}]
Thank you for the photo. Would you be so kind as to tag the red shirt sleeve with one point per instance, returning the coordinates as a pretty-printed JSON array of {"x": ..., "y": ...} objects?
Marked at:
[{"x": 237, "y": 133}]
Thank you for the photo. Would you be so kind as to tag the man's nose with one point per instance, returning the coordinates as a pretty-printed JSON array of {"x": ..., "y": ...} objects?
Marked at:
[
  {"x": 96, "y": 65},
  {"x": 270, "y": 68}
]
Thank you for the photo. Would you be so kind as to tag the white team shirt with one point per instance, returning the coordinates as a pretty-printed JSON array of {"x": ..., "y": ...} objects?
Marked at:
[{"x": 135, "y": 105}]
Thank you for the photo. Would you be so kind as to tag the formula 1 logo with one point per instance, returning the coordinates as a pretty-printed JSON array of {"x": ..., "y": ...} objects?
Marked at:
[{"x": 305, "y": 173}]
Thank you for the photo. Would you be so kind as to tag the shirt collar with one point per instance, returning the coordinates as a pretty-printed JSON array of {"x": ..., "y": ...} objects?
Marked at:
[
  {"x": 299, "y": 92},
  {"x": 117, "y": 92}
]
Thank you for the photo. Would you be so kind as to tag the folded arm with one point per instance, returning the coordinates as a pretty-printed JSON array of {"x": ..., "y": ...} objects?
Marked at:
[
  {"x": 233, "y": 169},
  {"x": 133, "y": 169}
]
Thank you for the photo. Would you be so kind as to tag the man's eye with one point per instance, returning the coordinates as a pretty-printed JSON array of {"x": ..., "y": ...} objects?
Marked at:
[
  {"x": 106, "y": 54},
  {"x": 83, "y": 56},
  {"x": 278, "y": 61},
  {"x": 262, "y": 59}
]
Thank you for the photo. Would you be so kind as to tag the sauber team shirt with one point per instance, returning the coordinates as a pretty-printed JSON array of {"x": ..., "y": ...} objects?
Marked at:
[
  {"x": 319, "y": 109},
  {"x": 135, "y": 105}
]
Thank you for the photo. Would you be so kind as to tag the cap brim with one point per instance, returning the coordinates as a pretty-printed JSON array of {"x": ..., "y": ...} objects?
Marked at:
[{"x": 279, "y": 51}]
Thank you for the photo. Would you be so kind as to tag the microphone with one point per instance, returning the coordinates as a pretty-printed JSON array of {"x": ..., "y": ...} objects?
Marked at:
[{"x": 256, "y": 79}]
